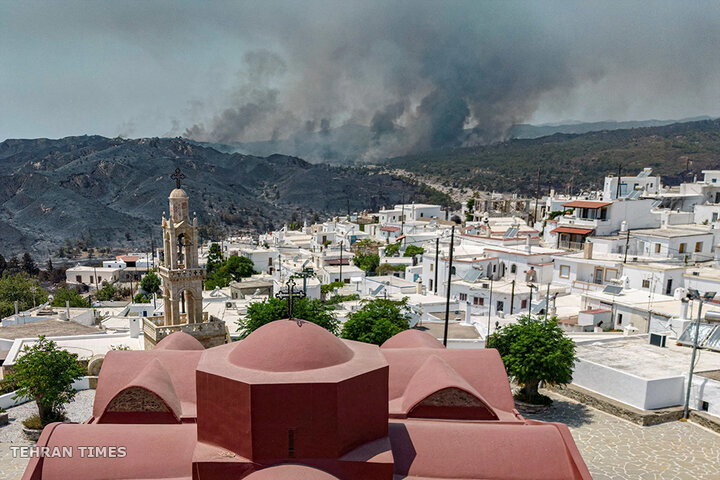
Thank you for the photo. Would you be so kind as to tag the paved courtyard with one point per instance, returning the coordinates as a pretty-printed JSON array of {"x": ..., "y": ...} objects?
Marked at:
[{"x": 615, "y": 449}]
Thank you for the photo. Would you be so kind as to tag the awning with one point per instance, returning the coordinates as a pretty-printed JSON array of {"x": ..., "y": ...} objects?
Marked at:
[
  {"x": 586, "y": 204},
  {"x": 578, "y": 231}
]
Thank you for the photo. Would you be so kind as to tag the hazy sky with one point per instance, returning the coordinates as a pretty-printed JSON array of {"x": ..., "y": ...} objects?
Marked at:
[{"x": 230, "y": 71}]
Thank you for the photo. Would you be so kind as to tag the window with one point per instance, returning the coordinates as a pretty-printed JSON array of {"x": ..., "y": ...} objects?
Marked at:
[
  {"x": 478, "y": 301},
  {"x": 270, "y": 262},
  {"x": 619, "y": 319},
  {"x": 564, "y": 271},
  {"x": 431, "y": 285},
  {"x": 346, "y": 280},
  {"x": 682, "y": 248},
  {"x": 610, "y": 274},
  {"x": 705, "y": 406},
  {"x": 99, "y": 278},
  {"x": 698, "y": 247},
  {"x": 78, "y": 278},
  {"x": 453, "y": 271},
  {"x": 513, "y": 268},
  {"x": 646, "y": 283},
  {"x": 523, "y": 304},
  {"x": 91, "y": 279},
  {"x": 463, "y": 296},
  {"x": 432, "y": 267},
  {"x": 715, "y": 215},
  {"x": 658, "y": 246}
]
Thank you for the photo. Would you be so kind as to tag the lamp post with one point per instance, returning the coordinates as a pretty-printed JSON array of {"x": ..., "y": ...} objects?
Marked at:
[
  {"x": 489, "y": 310},
  {"x": 457, "y": 220},
  {"x": 530, "y": 286},
  {"x": 695, "y": 295}
]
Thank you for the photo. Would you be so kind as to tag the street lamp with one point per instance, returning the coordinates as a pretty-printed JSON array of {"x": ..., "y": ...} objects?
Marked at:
[
  {"x": 456, "y": 221},
  {"x": 530, "y": 286},
  {"x": 693, "y": 294}
]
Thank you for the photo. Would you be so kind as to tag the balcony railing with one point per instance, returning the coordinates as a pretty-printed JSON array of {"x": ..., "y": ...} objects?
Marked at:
[{"x": 568, "y": 245}]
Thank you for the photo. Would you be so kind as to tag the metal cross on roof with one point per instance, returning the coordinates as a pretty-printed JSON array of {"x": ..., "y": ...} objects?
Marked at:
[
  {"x": 289, "y": 293},
  {"x": 177, "y": 176}
]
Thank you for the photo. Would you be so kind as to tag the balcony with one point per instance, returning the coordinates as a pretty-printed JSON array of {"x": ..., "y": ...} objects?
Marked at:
[{"x": 568, "y": 245}]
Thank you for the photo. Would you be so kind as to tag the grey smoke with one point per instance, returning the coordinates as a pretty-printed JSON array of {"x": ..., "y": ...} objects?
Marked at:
[
  {"x": 414, "y": 74},
  {"x": 423, "y": 74}
]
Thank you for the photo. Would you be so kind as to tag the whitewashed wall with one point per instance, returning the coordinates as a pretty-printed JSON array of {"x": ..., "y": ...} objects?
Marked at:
[{"x": 630, "y": 389}]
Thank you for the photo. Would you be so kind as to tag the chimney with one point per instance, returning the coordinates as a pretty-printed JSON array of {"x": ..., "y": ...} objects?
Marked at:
[
  {"x": 17, "y": 307},
  {"x": 528, "y": 247},
  {"x": 418, "y": 287},
  {"x": 67, "y": 308},
  {"x": 587, "y": 250},
  {"x": 623, "y": 226},
  {"x": 684, "y": 308},
  {"x": 135, "y": 327}
]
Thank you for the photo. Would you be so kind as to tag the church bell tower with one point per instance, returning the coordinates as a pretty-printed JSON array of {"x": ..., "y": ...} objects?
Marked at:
[{"x": 181, "y": 275}]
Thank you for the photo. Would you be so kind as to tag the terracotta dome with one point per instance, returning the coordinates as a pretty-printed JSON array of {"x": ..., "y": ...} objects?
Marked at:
[
  {"x": 290, "y": 472},
  {"x": 178, "y": 193},
  {"x": 412, "y": 339},
  {"x": 285, "y": 346},
  {"x": 179, "y": 341}
]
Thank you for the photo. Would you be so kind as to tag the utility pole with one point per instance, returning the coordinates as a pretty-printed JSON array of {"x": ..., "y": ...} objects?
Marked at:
[
  {"x": 537, "y": 194},
  {"x": 341, "y": 249},
  {"x": 437, "y": 254},
  {"x": 547, "y": 301},
  {"x": 692, "y": 360},
  {"x": 489, "y": 310},
  {"x": 449, "y": 284},
  {"x": 627, "y": 243},
  {"x": 530, "y": 302},
  {"x": 512, "y": 297},
  {"x": 402, "y": 216},
  {"x": 617, "y": 195}
]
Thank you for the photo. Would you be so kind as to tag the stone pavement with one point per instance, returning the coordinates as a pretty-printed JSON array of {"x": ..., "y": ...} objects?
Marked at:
[
  {"x": 615, "y": 449},
  {"x": 12, "y": 468}
]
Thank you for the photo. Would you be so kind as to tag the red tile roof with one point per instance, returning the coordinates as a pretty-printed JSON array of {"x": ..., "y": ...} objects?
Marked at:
[
  {"x": 389, "y": 229},
  {"x": 579, "y": 231},
  {"x": 586, "y": 204}
]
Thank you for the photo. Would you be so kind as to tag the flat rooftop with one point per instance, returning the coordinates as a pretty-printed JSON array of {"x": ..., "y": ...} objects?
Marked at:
[
  {"x": 673, "y": 231},
  {"x": 49, "y": 328},
  {"x": 634, "y": 355},
  {"x": 455, "y": 330}
]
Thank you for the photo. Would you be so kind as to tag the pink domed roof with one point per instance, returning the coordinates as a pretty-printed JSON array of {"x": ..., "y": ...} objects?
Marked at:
[
  {"x": 179, "y": 341},
  {"x": 412, "y": 339},
  {"x": 285, "y": 346},
  {"x": 290, "y": 472}
]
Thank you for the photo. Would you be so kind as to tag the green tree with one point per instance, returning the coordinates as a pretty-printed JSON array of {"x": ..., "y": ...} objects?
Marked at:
[
  {"x": 150, "y": 283},
  {"x": 141, "y": 298},
  {"x": 215, "y": 258},
  {"x": 413, "y": 250},
  {"x": 368, "y": 263},
  {"x": 67, "y": 294},
  {"x": 46, "y": 373},
  {"x": 535, "y": 351},
  {"x": 239, "y": 267},
  {"x": 3, "y": 265},
  {"x": 387, "y": 268},
  {"x": 21, "y": 288},
  {"x": 107, "y": 292},
  {"x": 377, "y": 321},
  {"x": 29, "y": 266},
  {"x": 392, "y": 250},
  {"x": 312, "y": 310}
]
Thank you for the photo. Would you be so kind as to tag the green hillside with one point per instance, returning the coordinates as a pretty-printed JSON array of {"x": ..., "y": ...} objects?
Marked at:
[{"x": 573, "y": 161}]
